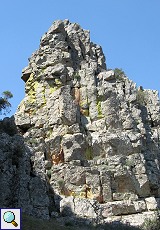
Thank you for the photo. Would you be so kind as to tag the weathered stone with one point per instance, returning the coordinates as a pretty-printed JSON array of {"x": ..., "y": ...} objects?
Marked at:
[
  {"x": 48, "y": 164},
  {"x": 90, "y": 138},
  {"x": 151, "y": 203},
  {"x": 142, "y": 185},
  {"x": 73, "y": 147},
  {"x": 23, "y": 121},
  {"x": 84, "y": 207},
  {"x": 137, "y": 219},
  {"x": 67, "y": 108},
  {"x": 118, "y": 208},
  {"x": 20, "y": 186},
  {"x": 107, "y": 75},
  {"x": 67, "y": 206},
  {"x": 26, "y": 73},
  {"x": 124, "y": 196}
]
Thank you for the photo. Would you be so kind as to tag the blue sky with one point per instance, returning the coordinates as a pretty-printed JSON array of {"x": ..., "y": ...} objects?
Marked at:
[{"x": 127, "y": 30}]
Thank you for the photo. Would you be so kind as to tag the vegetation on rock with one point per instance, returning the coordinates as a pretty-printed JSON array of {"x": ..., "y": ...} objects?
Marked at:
[
  {"x": 35, "y": 223},
  {"x": 89, "y": 153},
  {"x": 119, "y": 73},
  {"x": 151, "y": 224},
  {"x": 102, "y": 144},
  {"x": 141, "y": 97},
  {"x": 100, "y": 115}
]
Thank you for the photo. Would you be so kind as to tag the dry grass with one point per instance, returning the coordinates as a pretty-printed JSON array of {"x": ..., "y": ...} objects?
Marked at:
[{"x": 32, "y": 223}]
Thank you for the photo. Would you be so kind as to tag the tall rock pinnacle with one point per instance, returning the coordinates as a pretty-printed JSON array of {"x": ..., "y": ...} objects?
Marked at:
[{"x": 93, "y": 135}]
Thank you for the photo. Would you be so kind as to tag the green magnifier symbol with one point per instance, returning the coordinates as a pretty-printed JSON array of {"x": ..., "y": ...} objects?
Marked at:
[{"x": 9, "y": 217}]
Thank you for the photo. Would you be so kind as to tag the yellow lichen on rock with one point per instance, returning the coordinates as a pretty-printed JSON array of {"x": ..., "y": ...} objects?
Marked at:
[
  {"x": 31, "y": 86},
  {"x": 58, "y": 82},
  {"x": 53, "y": 89}
]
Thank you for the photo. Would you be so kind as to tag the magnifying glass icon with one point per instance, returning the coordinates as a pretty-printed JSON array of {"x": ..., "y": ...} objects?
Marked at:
[{"x": 9, "y": 217}]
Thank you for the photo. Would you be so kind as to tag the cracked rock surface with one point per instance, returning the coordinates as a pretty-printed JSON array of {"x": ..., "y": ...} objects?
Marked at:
[{"x": 93, "y": 135}]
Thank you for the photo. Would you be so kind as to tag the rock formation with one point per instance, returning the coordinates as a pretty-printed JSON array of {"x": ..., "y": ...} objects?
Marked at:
[
  {"x": 19, "y": 185},
  {"x": 92, "y": 136}
]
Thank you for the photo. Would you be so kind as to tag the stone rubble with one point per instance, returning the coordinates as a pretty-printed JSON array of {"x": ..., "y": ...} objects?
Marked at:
[{"x": 92, "y": 134}]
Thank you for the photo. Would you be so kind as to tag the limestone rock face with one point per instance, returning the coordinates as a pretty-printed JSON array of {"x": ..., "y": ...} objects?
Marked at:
[{"x": 92, "y": 133}]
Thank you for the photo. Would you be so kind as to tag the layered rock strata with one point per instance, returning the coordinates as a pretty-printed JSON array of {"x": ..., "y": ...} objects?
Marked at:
[{"x": 93, "y": 135}]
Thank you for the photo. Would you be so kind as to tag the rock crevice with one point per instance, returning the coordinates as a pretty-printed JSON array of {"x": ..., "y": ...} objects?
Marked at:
[{"x": 92, "y": 133}]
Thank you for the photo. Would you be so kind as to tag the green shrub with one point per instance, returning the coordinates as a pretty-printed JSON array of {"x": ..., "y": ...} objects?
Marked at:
[
  {"x": 119, "y": 73},
  {"x": 141, "y": 97},
  {"x": 151, "y": 224}
]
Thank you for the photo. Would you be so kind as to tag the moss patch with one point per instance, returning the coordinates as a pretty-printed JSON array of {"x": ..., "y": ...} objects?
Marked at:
[
  {"x": 82, "y": 103},
  {"x": 49, "y": 133},
  {"x": 100, "y": 115},
  {"x": 84, "y": 107},
  {"x": 44, "y": 98},
  {"x": 61, "y": 183},
  {"x": 89, "y": 153},
  {"x": 58, "y": 82},
  {"x": 53, "y": 89}
]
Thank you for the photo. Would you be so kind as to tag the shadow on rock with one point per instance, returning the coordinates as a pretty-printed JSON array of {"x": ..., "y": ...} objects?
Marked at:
[
  {"x": 68, "y": 218},
  {"x": 21, "y": 186}
]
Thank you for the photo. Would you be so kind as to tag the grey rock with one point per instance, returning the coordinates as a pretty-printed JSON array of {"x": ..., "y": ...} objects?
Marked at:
[
  {"x": 73, "y": 147},
  {"x": 90, "y": 138}
]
